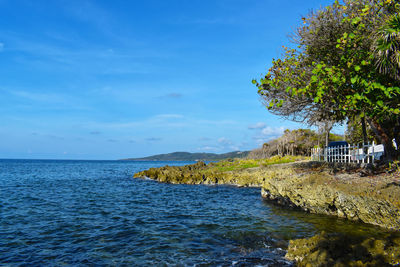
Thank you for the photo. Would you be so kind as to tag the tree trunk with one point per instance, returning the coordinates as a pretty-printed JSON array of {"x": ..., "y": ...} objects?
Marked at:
[
  {"x": 327, "y": 137},
  {"x": 364, "y": 132},
  {"x": 397, "y": 133},
  {"x": 385, "y": 138}
]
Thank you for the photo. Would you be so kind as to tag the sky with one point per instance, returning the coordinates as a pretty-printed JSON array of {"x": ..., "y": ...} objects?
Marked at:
[{"x": 117, "y": 79}]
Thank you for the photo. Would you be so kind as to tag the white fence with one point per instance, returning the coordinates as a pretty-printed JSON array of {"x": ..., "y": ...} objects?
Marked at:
[{"x": 365, "y": 153}]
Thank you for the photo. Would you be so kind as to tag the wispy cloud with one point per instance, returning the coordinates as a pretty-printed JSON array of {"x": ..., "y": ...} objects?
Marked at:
[
  {"x": 171, "y": 96},
  {"x": 161, "y": 120},
  {"x": 55, "y": 137},
  {"x": 258, "y": 125},
  {"x": 1, "y": 46},
  {"x": 44, "y": 100},
  {"x": 272, "y": 131},
  {"x": 208, "y": 149},
  {"x": 95, "y": 133},
  {"x": 40, "y": 97},
  {"x": 224, "y": 141},
  {"x": 206, "y": 21},
  {"x": 153, "y": 139},
  {"x": 168, "y": 116},
  {"x": 268, "y": 133}
]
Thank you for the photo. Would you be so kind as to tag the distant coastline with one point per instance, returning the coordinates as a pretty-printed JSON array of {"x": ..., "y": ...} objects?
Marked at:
[{"x": 187, "y": 156}]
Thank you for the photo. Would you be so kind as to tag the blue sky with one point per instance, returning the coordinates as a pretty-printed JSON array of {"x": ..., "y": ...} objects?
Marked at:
[{"x": 116, "y": 79}]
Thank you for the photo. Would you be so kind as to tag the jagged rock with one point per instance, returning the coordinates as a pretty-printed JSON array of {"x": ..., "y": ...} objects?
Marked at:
[
  {"x": 311, "y": 186},
  {"x": 344, "y": 250},
  {"x": 323, "y": 188},
  {"x": 369, "y": 200}
]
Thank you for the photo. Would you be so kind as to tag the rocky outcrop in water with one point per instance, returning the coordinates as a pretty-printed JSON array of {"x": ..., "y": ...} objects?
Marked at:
[
  {"x": 312, "y": 187},
  {"x": 343, "y": 250},
  {"x": 317, "y": 188},
  {"x": 374, "y": 200},
  {"x": 200, "y": 173}
]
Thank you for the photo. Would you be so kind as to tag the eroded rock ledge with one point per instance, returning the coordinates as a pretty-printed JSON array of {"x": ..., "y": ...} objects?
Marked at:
[
  {"x": 317, "y": 188},
  {"x": 342, "y": 250},
  {"x": 313, "y": 187}
]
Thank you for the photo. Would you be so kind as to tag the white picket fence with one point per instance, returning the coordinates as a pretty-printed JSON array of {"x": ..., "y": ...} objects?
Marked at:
[{"x": 360, "y": 153}]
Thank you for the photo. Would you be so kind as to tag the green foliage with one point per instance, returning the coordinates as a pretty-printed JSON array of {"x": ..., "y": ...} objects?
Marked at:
[
  {"x": 186, "y": 156},
  {"x": 333, "y": 71},
  {"x": 281, "y": 160},
  {"x": 240, "y": 164},
  {"x": 354, "y": 133},
  {"x": 292, "y": 143},
  {"x": 237, "y": 164}
]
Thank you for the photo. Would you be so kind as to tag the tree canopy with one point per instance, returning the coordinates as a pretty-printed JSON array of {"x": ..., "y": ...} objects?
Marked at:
[{"x": 344, "y": 66}]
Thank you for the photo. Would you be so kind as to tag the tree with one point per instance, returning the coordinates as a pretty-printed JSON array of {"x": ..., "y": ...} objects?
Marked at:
[
  {"x": 387, "y": 47},
  {"x": 295, "y": 142},
  {"x": 355, "y": 133},
  {"x": 332, "y": 72}
]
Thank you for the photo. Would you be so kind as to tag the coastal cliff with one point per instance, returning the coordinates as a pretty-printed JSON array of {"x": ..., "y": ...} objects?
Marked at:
[
  {"x": 239, "y": 172},
  {"x": 311, "y": 186},
  {"x": 323, "y": 189},
  {"x": 344, "y": 191}
]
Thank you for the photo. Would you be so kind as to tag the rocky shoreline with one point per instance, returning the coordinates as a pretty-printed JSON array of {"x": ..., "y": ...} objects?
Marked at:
[{"x": 315, "y": 187}]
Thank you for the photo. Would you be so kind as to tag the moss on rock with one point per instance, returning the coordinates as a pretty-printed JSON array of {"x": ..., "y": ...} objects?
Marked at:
[
  {"x": 344, "y": 250},
  {"x": 373, "y": 200},
  {"x": 315, "y": 187}
]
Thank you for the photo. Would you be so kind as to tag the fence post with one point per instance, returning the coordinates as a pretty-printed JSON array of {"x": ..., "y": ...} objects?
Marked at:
[
  {"x": 373, "y": 154},
  {"x": 319, "y": 154},
  {"x": 348, "y": 153},
  {"x": 368, "y": 160},
  {"x": 363, "y": 157}
]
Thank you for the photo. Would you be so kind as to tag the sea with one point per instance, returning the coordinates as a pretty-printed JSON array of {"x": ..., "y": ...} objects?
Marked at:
[{"x": 80, "y": 213}]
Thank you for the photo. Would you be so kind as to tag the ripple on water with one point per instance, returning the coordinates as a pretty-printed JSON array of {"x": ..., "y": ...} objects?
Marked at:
[{"x": 94, "y": 213}]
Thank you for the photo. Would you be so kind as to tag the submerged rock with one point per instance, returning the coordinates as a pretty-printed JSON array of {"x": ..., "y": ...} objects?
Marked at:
[
  {"x": 200, "y": 173},
  {"x": 344, "y": 250},
  {"x": 314, "y": 187}
]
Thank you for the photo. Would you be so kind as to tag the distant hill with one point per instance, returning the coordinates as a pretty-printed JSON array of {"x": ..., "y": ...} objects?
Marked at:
[{"x": 186, "y": 156}]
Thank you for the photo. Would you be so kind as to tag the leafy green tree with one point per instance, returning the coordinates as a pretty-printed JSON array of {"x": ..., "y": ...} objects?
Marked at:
[
  {"x": 332, "y": 72},
  {"x": 354, "y": 132},
  {"x": 387, "y": 47}
]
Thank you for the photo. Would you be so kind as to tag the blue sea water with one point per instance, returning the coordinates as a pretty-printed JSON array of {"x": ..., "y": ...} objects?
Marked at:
[{"x": 77, "y": 213}]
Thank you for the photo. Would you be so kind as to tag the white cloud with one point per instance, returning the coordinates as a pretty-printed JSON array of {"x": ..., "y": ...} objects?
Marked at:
[
  {"x": 172, "y": 95},
  {"x": 224, "y": 141},
  {"x": 40, "y": 97},
  {"x": 208, "y": 148},
  {"x": 268, "y": 133},
  {"x": 153, "y": 139},
  {"x": 169, "y": 116},
  {"x": 272, "y": 131},
  {"x": 258, "y": 125}
]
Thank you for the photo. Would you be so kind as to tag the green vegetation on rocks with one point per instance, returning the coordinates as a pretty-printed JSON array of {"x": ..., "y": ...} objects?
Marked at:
[
  {"x": 338, "y": 190},
  {"x": 343, "y": 250},
  {"x": 315, "y": 187},
  {"x": 345, "y": 65},
  {"x": 186, "y": 156},
  {"x": 344, "y": 191},
  {"x": 240, "y": 172}
]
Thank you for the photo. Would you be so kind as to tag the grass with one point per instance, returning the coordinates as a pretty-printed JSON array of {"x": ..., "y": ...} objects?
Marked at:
[{"x": 240, "y": 164}]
